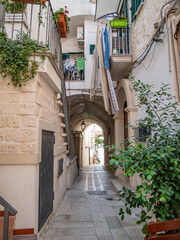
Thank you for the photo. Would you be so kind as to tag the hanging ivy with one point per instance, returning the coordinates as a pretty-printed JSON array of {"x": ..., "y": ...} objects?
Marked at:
[{"x": 18, "y": 58}]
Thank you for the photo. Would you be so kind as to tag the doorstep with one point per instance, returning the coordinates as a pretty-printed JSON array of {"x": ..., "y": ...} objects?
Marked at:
[{"x": 25, "y": 237}]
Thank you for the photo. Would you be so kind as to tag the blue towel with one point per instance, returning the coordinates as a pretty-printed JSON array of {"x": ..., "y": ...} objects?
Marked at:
[{"x": 106, "y": 51}]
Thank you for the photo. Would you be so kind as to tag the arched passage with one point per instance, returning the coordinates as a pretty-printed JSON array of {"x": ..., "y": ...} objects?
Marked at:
[
  {"x": 127, "y": 114},
  {"x": 93, "y": 145},
  {"x": 81, "y": 108}
]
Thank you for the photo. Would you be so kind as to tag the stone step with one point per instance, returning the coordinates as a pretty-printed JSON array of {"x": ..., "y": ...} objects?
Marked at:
[
  {"x": 117, "y": 185},
  {"x": 25, "y": 237}
]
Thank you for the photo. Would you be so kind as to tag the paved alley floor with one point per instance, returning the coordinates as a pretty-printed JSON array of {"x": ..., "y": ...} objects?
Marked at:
[{"x": 90, "y": 211}]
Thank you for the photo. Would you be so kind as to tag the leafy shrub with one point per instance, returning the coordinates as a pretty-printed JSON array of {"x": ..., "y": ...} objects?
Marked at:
[{"x": 156, "y": 160}]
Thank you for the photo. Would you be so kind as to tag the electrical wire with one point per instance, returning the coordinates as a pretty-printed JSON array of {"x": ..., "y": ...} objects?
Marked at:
[
  {"x": 146, "y": 51},
  {"x": 151, "y": 58}
]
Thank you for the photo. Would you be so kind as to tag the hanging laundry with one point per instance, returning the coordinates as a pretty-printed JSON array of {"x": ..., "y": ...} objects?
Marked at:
[
  {"x": 67, "y": 63},
  {"x": 72, "y": 62},
  {"x": 106, "y": 49},
  {"x": 80, "y": 64}
]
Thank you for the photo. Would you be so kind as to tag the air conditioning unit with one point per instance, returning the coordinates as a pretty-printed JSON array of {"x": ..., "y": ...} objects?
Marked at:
[{"x": 80, "y": 33}]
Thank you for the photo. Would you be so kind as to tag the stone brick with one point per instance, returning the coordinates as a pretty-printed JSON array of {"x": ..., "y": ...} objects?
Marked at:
[
  {"x": 9, "y": 148},
  {"x": 28, "y": 147},
  {"x": 4, "y": 84},
  {"x": 28, "y": 97},
  {"x": 1, "y": 135},
  {"x": 21, "y": 135},
  {"x": 6, "y": 97},
  {"x": 29, "y": 109},
  {"x": 30, "y": 86},
  {"x": 10, "y": 108},
  {"x": 9, "y": 121},
  {"x": 29, "y": 121}
]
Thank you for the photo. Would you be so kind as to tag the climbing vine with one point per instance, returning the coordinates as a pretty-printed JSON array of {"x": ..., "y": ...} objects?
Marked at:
[
  {"x": 14, "y": 7},
  {"x": 17, "y": 58}
]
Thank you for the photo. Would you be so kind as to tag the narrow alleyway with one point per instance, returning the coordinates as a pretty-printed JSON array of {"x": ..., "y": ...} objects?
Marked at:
[{"x": 90, "y": 210}]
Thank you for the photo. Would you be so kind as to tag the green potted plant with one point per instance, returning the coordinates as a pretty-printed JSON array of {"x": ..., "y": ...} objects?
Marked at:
[
  {"x": 121, "y": 22},
  {"x": 61, "y": 16},
  {"x": 77, "y": 133}
]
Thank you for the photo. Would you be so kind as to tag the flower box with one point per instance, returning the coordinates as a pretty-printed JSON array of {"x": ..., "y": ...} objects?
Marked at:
[
  {"x": 77, "y": 135},
  {"x": 119, "y": 23},
  {"x": 31, "y": 1},
  {"x": 62, "y": 26}
]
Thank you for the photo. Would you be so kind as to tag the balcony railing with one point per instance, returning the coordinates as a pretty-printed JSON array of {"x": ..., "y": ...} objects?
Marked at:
[
  {"x": 120, "y": 41},
  {"x": 37, "y": 21}
]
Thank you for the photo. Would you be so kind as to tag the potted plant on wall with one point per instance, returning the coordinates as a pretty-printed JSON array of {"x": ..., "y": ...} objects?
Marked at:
[
  {"x": 61, "y": 16},
  {"x": 77, "y": 133},
  {"x": 120, "y": 22}
]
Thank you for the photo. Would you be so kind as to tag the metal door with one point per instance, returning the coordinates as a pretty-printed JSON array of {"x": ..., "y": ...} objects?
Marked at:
[{"x": 46, "y": 194}]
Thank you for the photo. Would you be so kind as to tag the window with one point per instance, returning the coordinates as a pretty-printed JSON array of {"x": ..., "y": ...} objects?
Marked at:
[{"x": 134, "y": 7}]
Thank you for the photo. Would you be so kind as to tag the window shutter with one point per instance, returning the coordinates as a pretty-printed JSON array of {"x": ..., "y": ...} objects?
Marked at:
[{"x": 134, "y": 7}]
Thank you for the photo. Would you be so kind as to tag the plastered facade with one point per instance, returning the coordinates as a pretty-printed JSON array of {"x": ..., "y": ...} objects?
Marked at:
[{"x": 143, "y": 28}]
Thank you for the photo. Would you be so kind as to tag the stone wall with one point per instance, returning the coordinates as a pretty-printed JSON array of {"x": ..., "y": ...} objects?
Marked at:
[
  {"x": 20, "y": 111},
  {"x": 18, "y": 117},
  {"x": 143, "y": 28}
]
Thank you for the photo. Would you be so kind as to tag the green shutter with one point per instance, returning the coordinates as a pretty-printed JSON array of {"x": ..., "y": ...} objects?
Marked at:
[
  {"x": 134, "y": 7},
  {"x": 91, "y": 48},
  {"x": 123, "y": 10}
]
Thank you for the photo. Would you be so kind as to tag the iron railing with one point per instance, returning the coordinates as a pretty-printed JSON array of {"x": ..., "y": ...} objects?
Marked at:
[
  {"x": 120, "y": 41},
  {"x": 37, "y": 21},
  {"x": 7, "y": 209}
]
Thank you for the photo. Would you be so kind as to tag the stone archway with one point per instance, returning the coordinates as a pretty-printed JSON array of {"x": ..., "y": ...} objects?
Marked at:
[
  {"x": 127, "y": 114},
  {"x": 82, "y": 108}
]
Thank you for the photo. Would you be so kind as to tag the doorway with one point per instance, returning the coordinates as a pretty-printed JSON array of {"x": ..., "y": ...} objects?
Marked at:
[
  {"x": 46, "y": 194},
  {"x": 93, "y": 145}
]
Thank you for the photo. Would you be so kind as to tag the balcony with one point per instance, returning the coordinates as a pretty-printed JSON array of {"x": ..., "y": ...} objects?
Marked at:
[
  {"x": 121, "y": 58},
  {"x": 36, "y": 21}
]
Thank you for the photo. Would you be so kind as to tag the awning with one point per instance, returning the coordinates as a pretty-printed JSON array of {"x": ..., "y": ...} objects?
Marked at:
[{"x": 104, "y": 8}]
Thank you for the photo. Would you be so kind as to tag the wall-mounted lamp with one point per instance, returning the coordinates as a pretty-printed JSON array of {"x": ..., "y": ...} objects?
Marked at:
[{"x": 83, "y": 125}]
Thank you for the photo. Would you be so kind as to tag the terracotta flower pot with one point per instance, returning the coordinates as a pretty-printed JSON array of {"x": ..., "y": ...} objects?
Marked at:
[
  {"x": 62, "y": 26},
  {"x": 11, "y": 225},
  {"x": 31, "y": 1},
  {"x": 77, "y": 134}
]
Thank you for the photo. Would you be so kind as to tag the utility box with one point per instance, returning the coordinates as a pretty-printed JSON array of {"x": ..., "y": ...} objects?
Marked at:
[{"x": 80, "y": 33}]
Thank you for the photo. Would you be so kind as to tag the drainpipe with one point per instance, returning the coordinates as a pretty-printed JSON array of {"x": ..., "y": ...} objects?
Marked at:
[{"x": 2, "y": 14}]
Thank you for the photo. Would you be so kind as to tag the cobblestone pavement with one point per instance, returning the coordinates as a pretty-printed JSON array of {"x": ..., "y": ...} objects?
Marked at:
[{"x": 90, "y": 210}]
